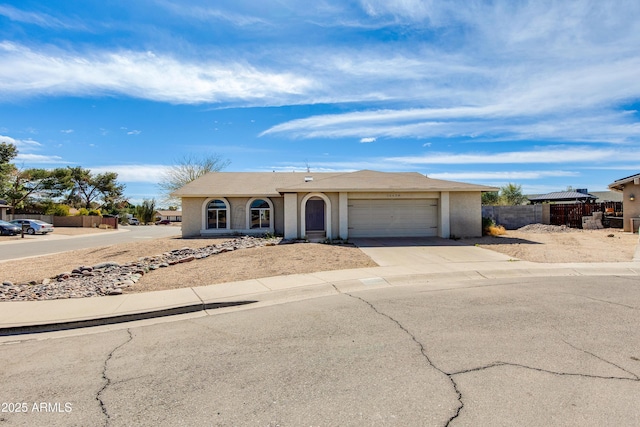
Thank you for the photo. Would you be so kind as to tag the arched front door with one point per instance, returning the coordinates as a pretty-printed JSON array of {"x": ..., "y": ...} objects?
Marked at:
[{"x": 314, "y": 216}]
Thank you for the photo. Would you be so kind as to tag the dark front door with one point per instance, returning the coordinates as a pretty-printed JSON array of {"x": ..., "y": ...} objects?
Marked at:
[{"x": 315, "y": 215}]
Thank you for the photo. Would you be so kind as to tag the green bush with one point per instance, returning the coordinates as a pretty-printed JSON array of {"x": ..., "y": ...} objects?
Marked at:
[
  {"x": 82, "y": 212},
  {"x": 94, "y": 212},
  {"x": 60, "y": 210}
]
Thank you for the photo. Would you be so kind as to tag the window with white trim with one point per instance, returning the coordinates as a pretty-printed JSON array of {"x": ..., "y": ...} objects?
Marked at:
[
  {"x": 260, "y": 214},
  {"x": 216, "y": 214}
]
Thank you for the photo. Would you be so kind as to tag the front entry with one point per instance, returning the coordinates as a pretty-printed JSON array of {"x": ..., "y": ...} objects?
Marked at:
[{"x": 314, "y": 217}]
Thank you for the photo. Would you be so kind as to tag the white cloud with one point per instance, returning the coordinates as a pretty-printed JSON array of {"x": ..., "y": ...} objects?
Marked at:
[
  {"x": 134, "y": 173},
  {"x": 21, "y": 144},
  {"x": 40, "y": 159},
  {"x": 501, "y": 176},
  {"x": 208, "y": 13},
  {"x": 66, "y": 131},
  {"x": 542, "y": 156},
  {"x": 140, "y": 74},
  {"x": 367, "y": 140},
  {"x": 134, "y": 132},
  {"x": 40, "y": 19}
]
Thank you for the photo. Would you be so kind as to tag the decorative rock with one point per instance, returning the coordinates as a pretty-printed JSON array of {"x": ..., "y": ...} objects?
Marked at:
[
  {"x": 109, "y": 278},
  {"x": 106, "y": 264}
]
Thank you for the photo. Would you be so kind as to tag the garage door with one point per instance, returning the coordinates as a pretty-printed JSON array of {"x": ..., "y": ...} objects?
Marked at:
[{"x": 393, "y": 218}]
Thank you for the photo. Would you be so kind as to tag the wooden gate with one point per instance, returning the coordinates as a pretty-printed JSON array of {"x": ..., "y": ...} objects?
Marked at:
[{"x": 571, "y": 215}]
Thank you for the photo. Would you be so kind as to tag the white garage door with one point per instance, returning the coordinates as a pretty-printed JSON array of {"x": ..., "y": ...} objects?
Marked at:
[{"x": 393, "y": 218}]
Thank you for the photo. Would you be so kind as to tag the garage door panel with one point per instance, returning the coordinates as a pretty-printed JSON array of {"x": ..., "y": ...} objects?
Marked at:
[{"x": 379, "y": 218}]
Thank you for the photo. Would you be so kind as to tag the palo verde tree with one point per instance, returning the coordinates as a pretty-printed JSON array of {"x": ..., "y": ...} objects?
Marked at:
[
  {"x": 187, "y": 169},
  {"x": 511, "y": 194},
  {"x": 89, "y": 190}
]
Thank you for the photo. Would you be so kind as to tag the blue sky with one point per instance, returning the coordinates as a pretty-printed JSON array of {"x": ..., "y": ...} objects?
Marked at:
[{"x": 539, "y": 93}]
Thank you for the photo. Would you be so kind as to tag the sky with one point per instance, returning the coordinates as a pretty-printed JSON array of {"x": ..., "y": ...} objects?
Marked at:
[{"x": 543, "y": 94}]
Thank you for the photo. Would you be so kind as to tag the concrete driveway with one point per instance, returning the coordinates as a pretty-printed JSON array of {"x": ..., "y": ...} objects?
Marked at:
[{"x": 432, "y": 253}]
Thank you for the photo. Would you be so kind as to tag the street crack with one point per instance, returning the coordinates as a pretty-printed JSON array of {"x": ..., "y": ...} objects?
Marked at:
[
  {"x": 107, "y": 380},
  {"x": 602, "y": 301},
  {"x": 423, "y": 350},
  {"x": 601, "y": 359},
  {"x": 568, "y": 374}
]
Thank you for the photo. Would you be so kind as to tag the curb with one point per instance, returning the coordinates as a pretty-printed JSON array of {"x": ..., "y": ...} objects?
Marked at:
[{"x": 111, "y": 320}]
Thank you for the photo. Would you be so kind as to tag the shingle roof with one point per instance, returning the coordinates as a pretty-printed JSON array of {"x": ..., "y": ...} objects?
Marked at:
[{"x": 247, "y": 184}]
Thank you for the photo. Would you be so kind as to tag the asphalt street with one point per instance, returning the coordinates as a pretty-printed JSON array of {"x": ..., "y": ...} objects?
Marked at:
[
  {"x": 530, "y": 351},
  {"x": 52, "y": 243}
]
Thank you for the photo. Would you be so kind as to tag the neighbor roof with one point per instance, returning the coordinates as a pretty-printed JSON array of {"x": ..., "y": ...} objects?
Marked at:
[
  {"x": 247, "y": 184},
  {"x": 561, "y": 196},
  {"x": 169, "y": 213},
  {"x": 619, "y": 184}
]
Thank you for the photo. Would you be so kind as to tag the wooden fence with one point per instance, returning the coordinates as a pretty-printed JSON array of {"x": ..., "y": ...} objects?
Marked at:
[{"x": 571, "y": 215}]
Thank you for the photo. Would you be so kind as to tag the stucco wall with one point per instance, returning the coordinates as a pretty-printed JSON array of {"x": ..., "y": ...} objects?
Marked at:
[
  {"x": 630, "y": 208},
  {"x": 465, "y": 210},
  {"x": 192, "y": 211},
  {"x": 191, "y": 216},
  {"x": 514, "y": 217}
]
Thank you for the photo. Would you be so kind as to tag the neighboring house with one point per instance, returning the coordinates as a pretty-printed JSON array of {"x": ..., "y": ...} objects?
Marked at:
[
  {"x": 563, "y": 197},
  {"x": 173, "y": 216},
  {"x": 332, "y": 205},
  {"x": 607, "y": 196},
  {"x": 630, "y": 189},
  {"x": 4, "y": 207}
]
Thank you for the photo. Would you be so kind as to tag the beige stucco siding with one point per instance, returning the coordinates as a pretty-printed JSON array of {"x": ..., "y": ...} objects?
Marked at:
[
  {"x": 465, "y": 210},
  {"x": 631, "y": 208},
  {"x": 278, "y": 215},
  {"x": 191, "y": 216}
]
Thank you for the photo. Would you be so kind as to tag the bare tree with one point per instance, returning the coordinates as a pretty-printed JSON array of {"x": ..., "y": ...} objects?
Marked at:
[{"x": 187, "y": 169}]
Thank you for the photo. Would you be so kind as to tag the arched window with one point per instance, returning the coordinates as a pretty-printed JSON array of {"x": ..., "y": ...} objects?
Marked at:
[
  {"x": 259, "y": 214},
  {"x": 216, "y": 214}
]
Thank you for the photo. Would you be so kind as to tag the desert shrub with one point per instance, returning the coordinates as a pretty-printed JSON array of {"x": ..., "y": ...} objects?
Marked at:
[
  {"x": 490, "y": 228},
  {"x": 496, "y": 230}
]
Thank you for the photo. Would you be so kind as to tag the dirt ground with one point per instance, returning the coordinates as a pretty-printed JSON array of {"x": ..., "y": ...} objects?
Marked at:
[
  {"x": 608, "y": 245},
  {"x": 553, "y": 247},
  {"x": 243, "y": 264}
]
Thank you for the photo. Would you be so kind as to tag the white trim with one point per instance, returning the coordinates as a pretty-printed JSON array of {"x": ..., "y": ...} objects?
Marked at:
[
  {"x": 445, "y": 219},
  {"x": 343, "y": 215},
  {"x": 248, "y": 214},
  {"x": 327, "y": 213},
  {"x": 205, "y": 214}
]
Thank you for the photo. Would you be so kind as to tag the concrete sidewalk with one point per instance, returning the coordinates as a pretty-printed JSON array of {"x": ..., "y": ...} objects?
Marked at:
[{"x": 443, "y": 266}]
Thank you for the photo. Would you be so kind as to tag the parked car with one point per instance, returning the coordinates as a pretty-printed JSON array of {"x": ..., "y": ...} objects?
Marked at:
[
  {"x": 6, "y": 228},
  {"x": 34, "y": 226},
  {"x": 134, "y": 221},
  {"x": 163, "y": 222}
]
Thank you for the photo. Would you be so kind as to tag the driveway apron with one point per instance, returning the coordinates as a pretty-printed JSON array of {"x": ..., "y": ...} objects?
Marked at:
[{"x": 426, "y": 252}]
